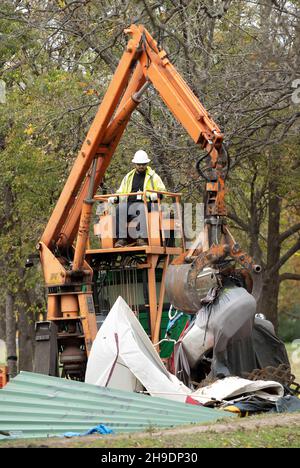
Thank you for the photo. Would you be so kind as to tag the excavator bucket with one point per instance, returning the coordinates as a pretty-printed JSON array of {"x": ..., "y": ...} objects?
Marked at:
[{"x": 184, "y": 292}]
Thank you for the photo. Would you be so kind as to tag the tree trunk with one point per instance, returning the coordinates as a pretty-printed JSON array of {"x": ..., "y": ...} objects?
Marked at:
[
  {"x": 254, "y": 230},
  {"x": 269, "y": 301},
  {"x": 26, "y": 325},
  {"x": 2, "y": 324},
  {"x": 26, "y": 337},
  {"x": 12, "y": 360}
]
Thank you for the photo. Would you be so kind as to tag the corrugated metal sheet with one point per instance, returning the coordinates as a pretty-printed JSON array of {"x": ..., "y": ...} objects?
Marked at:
[{"x": 35, "y": 405}]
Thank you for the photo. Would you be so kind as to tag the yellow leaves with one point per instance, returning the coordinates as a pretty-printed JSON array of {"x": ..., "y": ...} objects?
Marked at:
[
  {"x": 90, "y": 92},
  {"x": 61, "y": 3},
  {"x": 64, "y": 78},
  {"x": 29, "y": 130}
]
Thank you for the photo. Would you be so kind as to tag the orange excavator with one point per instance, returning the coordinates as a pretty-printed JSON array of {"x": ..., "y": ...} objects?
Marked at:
[{"x": 84, "y": 273}]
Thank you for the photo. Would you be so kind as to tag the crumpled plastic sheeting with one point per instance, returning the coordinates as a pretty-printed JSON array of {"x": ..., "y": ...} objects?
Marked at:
[
  {"x": 269, "y": 349},
  {"x": 122, "y": 357},
  {"x": 287, "y": 404},
  {"x": 254, "y": 404},
  {"x": 235, "y": 388},
  {"x": 100, "y": 429},
  {"x": 226, "y": 325}
]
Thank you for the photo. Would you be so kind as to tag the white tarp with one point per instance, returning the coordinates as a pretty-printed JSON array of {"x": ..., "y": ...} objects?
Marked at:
[
  {"x": 232, "y": 388},
  {"x": 122, "y": 357}
]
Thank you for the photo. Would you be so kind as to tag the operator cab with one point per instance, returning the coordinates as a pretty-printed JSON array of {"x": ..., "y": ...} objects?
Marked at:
[
  {"x": 137, "y": 273},
  {"x": 163, "y": 224}
]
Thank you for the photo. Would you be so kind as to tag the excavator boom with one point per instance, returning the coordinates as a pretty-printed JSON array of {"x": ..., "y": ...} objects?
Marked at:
[
  {"x": 142, "y": 61},
  {"x": 71, "y": 269}
]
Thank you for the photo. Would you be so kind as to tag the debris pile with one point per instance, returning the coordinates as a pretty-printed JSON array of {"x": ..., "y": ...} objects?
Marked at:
[
  {"x": 123, "y": 357},
  {"x": 129, "y": 389}
]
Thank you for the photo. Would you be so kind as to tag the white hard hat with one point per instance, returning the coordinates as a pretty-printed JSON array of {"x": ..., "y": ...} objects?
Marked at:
[{"x": 141, "y": 157}]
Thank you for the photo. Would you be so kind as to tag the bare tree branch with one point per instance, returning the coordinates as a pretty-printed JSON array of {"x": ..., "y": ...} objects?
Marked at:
[
  {"x": 238, "y": 220},
  {"x": 292, "y": 230},
  {"x": 285, "y": 258},
  {"x": 289, "y": 276}
]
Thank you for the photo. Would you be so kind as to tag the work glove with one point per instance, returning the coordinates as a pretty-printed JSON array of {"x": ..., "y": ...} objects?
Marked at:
[
  {"x": 153, "y": 197},
  {"x": 112, "y": 200}
]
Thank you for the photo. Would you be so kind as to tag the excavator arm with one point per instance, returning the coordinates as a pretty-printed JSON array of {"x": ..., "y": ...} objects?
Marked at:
[
  {"x": 68, "y": 276},
  {"x": 142, "y": 62}
]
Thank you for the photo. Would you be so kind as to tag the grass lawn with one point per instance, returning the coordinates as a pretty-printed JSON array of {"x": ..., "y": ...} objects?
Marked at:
[
  {"x": 261, "y": 431},
  {"x": 265, "y": 438}
]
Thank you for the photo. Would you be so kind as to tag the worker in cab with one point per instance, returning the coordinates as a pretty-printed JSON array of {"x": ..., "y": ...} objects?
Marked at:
[{"x": 140, "y": 179}]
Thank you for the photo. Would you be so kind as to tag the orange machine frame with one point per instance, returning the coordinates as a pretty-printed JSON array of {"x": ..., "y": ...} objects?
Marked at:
[
  {"x": 143, "y": 63},
  {"x": 148, "y": 64}
]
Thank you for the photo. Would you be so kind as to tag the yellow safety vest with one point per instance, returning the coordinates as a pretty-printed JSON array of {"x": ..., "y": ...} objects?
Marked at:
[{"x": 152, "y": 182}]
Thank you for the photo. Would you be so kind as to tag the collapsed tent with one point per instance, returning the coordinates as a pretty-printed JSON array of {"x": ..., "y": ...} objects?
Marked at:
[{"x": 123, "y": 357}]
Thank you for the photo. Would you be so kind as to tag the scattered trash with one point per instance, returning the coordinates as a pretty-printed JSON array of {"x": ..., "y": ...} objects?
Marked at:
[
  {"x": 124, "y": 364},
  {"x": 251, "y": 404},
  {"x": 234, "y": 388},
  {"x": 288, "y": 403},
  {"x": 100, "y": 429},
  {"x": 122, "y": 354},
  {"x": 254, "y": 404}
]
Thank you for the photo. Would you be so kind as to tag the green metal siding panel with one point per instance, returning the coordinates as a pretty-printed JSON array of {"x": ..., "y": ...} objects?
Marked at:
[{"x": 35, "y": 405}]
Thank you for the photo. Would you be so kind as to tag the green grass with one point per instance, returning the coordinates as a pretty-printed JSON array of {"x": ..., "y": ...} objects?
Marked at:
[
  {"x": 264, "y": 437},
  {"x": 269, "y": 437}
]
